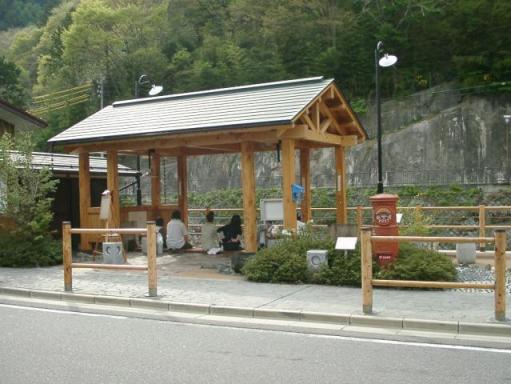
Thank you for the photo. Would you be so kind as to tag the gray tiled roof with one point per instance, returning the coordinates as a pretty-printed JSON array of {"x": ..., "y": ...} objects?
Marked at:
[
  {"x": 62, "y": 163},
  {"x": 238, "y": 107}
]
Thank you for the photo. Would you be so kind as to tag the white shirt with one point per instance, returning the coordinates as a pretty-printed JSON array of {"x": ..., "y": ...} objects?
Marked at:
[
  {"x": 209, "y": 238},
  {"x": 176, "y": 232}
]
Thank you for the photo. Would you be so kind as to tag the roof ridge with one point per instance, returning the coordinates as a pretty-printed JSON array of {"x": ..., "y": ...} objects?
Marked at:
[{"x": 217, "y": 91}]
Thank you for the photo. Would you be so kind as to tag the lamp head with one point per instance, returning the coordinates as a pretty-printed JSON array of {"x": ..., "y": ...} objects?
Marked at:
[
  {"x": 155, "y": 89},
  {"x": 387, "y": 60},
  {"x": 507, "y": 118}
]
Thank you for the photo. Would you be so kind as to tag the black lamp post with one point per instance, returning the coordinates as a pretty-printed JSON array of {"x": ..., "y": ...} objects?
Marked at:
[
  {"x": 155, "y": 89},
  {"x": 385, "y": 61}
]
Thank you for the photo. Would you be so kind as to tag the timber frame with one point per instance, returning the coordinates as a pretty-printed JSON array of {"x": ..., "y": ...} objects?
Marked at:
[{"x": 326, "y": 121}]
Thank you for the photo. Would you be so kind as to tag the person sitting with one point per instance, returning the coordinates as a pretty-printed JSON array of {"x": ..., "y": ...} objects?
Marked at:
[
  {"x": 177, "y": 234},
  {"x": 209, "y": 237},
  {"x": 159, "y": 227},
  {"x": 300, "y": 225},
  {"x": 231, "y": 240}
]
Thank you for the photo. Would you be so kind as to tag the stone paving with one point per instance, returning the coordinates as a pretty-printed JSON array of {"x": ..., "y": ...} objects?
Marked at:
[{"x": 193, "y": 279}]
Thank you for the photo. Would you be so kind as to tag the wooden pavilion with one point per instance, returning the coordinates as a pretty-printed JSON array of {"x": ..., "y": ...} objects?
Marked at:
[{"x": 301, "y": 115}]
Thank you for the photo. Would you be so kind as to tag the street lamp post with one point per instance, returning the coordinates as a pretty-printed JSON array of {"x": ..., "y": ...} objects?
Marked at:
[
  {"x": 155, "y": 90},
  {"x": 385, "y": 61},
  {"x": 507, "y": 120}
]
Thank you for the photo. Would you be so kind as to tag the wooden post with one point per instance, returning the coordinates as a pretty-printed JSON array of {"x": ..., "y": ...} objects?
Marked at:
[
  {"x": 151, "y": 259},
  {"x": 155, "y": 182},
  {"x": 482, "y": 225},
  {"x": 367, "y": 270},
  {"x": 360, "y": 217},
  {"x": 340, "y": 194},
  {"x": 67, "y": 256},
  {"x": 306, "y": 183},
  {"x": 84, "y": 193},
  {"x": 182, "y": 177},
  {"x": 112, "y": 183},
  {"x": 249, "y": 196},
  {"x": 288, "y": 178},
  {"x": 500, "y": 274}
]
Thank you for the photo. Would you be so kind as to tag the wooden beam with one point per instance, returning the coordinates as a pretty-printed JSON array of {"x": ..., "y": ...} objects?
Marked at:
[
  {"x": 234, "y": 136},
  {"x": 325, "y": 125},
  {"x": 309, "y": 122},
  {"x": 155, "y": 182},
  {"x": 317, "y": 117},
  {"x": 112, "y": 182},
  {"x": 249, "y": 196},
  {"x": 182, "y": 179},
  {"x": 351, "y": 114},
  {"x": 329, "y": 114},
  {"x": 306, "y": 183},
  {"x": 84, "y": 193},
  {"x": 288, "y": 178},
  {"x": 341, "y": 193},
  {"x": 301, "y": 132}
]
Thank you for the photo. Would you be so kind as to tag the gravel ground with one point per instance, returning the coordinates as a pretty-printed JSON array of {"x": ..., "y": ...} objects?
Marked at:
[{"x": 479, "y": 274}]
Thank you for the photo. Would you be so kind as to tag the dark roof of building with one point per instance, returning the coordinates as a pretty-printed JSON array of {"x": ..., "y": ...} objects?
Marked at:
[
  {"x": 63, "y": 163},
  {"x": 267, "y": 104},
  {"x": 20, "y": 113}
]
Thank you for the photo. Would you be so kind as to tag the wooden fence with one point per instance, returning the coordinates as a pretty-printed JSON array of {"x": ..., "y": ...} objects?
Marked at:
[
  {"x": 500, "y": 268},
  {"x": 149, "y": 231},
  {"x": 358, "y": 216}
]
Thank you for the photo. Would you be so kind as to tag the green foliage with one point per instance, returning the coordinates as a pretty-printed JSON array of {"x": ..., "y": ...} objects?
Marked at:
[
  {"x": 25, "y": 198},
  {"x": 419, "y": 264},
  {"x": 17, "y": 250},
  {"x": 285, "y": 262},
  {"x": 18, "y": 13},
  {"x": 10, "y": 87},
  {"x": 415, "y": 224}
]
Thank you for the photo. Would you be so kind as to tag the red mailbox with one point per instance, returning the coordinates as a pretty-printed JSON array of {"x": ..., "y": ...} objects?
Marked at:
[{"x": 385, "y": 224}]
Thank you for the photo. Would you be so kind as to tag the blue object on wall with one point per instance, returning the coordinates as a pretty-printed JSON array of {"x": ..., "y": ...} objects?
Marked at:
[{"x": 297, "y": 192}]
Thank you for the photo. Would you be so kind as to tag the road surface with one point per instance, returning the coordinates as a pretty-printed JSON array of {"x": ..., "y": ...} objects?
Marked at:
[{"x": 45, "y": 346}]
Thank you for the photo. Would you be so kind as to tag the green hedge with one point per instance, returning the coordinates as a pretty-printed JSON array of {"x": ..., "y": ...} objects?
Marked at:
[
  {"x": 16, "y": 251},
  {"x": 286, "y": 262}
]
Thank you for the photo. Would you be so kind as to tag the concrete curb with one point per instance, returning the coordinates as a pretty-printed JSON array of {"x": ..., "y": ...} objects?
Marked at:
[{"x": 303, "y": 319}]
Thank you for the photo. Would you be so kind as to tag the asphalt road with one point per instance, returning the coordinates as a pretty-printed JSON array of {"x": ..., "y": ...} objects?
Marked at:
[{"x": 40, "y": 346}]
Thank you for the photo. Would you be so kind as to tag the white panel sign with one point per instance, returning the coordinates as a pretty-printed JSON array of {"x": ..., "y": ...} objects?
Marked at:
[
  {"x": 272, "y": 210},
  {"x": 346, "y": 243}
]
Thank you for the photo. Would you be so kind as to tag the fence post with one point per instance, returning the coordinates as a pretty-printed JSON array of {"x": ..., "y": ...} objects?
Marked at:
[
  {"x": 67, "y": 256},
  {"x": 500, "y": 274},
  {"x": 360, "y": 217},
  {"x": 367, "y": 270},
  {"x": 151, "y": 259},
  {"x": 482, "y": 226}
]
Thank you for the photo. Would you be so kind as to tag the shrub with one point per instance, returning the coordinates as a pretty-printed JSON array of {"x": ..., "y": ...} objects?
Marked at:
[
  {"x": 18, "y": 251},
  {"x": 25, "y": 198},
  {"x": 415, "y": 263},
  {"x": 286, "y": 261}
]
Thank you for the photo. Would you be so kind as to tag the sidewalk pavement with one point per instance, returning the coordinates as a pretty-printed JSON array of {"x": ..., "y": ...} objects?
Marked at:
[{"x": 428, "y": 309}]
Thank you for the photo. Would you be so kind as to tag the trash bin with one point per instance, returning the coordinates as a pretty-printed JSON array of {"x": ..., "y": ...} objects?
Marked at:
[
  {"x": 466, "y": 253},
  {"x": 112, "y": 252}
]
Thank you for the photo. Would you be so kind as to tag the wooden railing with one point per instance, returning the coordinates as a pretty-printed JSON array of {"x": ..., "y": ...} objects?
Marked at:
[
  {"x": 149, "y": 231},
  {"x": 359, "y": 211},
  {"x": 500, "y": 268}
]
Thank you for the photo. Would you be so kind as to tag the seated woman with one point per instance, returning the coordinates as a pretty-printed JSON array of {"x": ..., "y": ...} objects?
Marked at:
[
  {"x": 231, "y": 240},
  {"x": 177, "y": 234},
  {"x": 209, "y": 238}
]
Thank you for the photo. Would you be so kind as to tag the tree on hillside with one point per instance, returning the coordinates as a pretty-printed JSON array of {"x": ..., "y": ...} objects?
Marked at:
[{"x": 10, "y": 87}]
